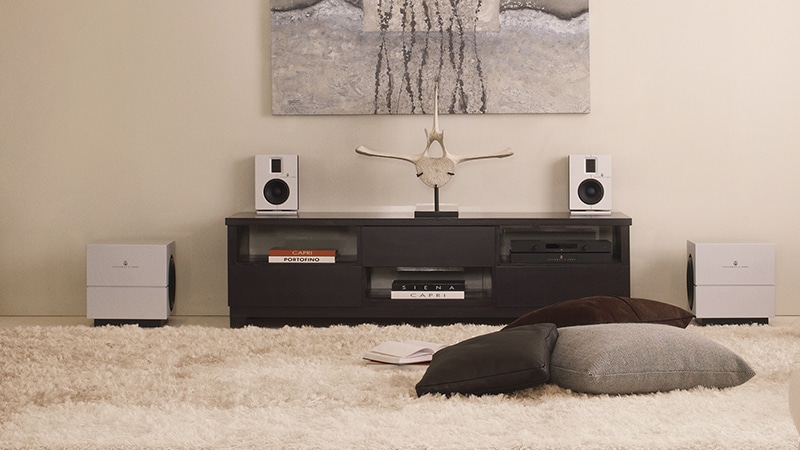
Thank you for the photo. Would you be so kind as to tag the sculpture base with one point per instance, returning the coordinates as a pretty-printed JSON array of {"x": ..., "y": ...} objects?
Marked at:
[
  {"x": 433, "y": 210},
  {"x": 418, "y": 214}
]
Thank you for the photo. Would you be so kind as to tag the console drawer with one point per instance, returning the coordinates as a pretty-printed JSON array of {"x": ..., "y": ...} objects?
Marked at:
[{"x": 428, "y": 246}]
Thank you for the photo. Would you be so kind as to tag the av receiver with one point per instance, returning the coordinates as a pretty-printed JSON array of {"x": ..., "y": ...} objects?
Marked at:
[{"x": 563, "y": 251}]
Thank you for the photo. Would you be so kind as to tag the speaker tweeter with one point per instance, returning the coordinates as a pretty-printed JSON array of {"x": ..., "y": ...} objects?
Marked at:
[
  {"x": 590, "y": 184},
  {"x": 276, "y": 183}
]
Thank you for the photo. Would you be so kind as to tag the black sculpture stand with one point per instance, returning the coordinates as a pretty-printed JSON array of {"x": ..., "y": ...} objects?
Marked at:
[{"x": 437, "y": 212}]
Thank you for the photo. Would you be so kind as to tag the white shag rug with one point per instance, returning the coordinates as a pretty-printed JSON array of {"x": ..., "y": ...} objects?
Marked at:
[{"x": 195, "y": 387}]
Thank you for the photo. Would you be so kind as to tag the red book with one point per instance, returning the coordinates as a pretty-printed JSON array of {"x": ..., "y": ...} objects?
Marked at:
[{"x": 301, "y": 252}]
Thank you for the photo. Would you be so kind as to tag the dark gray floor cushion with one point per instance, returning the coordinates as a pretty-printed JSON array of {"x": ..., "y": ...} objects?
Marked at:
[
  {"x": 606, "y": 309},
  {"x": 631, "y": 358},
  {"x": 500, "y": 362}
]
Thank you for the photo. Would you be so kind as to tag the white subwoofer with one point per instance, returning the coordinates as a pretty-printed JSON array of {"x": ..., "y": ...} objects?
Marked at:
[
  {"x": 130, "y": 282},
  {"x": 276, "y": 183},
  {"x": 731, "y": 282},
  {"x": 590, "y": 184}
]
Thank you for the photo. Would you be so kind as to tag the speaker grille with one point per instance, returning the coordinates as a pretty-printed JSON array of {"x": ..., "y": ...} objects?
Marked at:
[{"x": 690, "y": 281}]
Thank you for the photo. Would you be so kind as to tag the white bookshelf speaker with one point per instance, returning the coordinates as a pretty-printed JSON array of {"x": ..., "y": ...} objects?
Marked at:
[
  {"x": 130, "y": 282},
  {"x": 590, "y": 184},
  {"x": 731, "y": 282},
  {"x": 276, "y": 183}
]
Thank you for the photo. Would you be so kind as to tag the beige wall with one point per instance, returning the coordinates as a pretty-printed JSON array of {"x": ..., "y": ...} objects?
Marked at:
[{"x": 139, "y": 119}]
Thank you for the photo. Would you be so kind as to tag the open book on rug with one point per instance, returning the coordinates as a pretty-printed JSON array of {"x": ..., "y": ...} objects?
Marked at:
[{"x": 406, "y": 352}]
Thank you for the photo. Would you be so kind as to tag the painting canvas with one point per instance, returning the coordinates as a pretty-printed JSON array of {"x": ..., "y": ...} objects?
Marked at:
[{"x": 386, "y": 56}]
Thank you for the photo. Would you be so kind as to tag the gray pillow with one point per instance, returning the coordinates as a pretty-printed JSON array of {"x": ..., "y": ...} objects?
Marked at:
[
  {"x": 501, "y": 362},
  {"x": 632, "y": 358}
]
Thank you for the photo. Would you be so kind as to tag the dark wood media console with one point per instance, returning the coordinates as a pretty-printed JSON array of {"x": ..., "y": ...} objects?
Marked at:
[{"x": 375, "y": 250}]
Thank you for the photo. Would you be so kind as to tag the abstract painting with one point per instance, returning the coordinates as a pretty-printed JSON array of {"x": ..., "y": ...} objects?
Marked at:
[{"x": 387, "y": 56}]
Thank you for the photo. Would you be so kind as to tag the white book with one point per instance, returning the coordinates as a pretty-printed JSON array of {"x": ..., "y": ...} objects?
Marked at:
[
  {"x": 427, "y": 295},
  {"x": 302, "y": 259},
  {"x": 406, "y": 352}
]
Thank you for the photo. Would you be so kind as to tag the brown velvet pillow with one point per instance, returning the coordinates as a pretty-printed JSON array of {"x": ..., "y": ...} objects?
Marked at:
[{"x": 605, "y": 309}]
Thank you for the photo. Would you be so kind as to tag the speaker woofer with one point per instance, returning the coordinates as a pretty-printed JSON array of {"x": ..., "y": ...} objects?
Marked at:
[
  {"x": 591, "y": 191},
  {"x": 276, "y": 191},
  {"x": 690, "y": 281},
  {"x": 171, "y": 286}
]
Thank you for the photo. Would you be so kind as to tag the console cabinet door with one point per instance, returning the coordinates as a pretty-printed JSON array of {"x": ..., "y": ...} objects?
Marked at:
[
  {"x": 428, "y": 246},
  {"x": 539, "y": 286},
  {"x": 287, "y": 285}
]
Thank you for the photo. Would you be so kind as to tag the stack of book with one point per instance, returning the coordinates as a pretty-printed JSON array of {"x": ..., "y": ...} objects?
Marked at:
[
  {"x": 428, "y": 290},
  {"x": 301, "y": 256}
]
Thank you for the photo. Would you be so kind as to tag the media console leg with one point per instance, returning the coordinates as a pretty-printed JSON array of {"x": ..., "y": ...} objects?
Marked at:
[{"x": 238, "y": 321}]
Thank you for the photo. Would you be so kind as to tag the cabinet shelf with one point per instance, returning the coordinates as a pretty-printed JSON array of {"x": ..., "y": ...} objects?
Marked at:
[
  {"x": 383, "y": 297},
  {"x": 375, "y": 250},
  {"x": 264, "y": 259}
]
